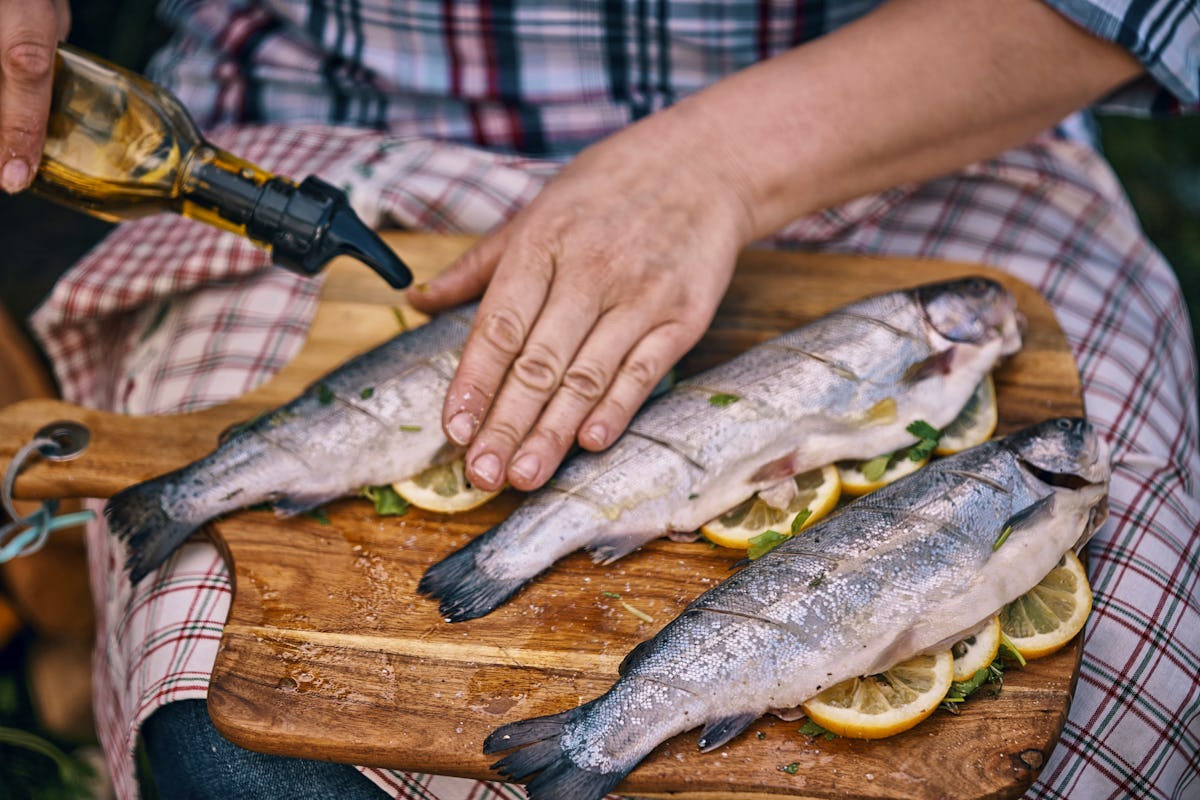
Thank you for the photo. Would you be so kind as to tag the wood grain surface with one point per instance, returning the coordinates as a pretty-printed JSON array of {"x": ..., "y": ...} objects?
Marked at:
[{"x": 330, "y": 653}]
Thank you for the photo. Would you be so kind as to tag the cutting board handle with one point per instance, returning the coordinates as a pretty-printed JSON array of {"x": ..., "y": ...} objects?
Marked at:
[{"x": 122, "y": 450}]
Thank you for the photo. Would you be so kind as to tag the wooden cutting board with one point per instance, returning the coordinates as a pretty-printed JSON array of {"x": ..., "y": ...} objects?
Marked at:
[{"x": 330, "y": 653}]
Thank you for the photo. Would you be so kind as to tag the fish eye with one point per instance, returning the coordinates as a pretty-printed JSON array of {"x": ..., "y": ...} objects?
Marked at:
[{"x": 1064, "y": 424}]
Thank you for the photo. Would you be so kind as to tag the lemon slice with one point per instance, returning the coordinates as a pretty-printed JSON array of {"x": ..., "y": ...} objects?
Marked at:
[
  {"x": 885, "y": 704},
  {"x": 976, "y": 650},
  {"x": 863, "y": 477},
  {"x": 1047, "y": 616},
  {"x": 444, "y": 489},
  {"x": 817, "y": 491},
  {"x": 975, "y": 424}
]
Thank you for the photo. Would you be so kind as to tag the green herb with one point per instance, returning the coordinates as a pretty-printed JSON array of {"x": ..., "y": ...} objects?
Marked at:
[
  {"x": 722, "y": 399},
  {"x": 817, "y": 581},
  {"x": 791, "y": 769},
  {"x": 400, "y": 320},
  {"x": 410, "y": 428},
  {"x": 764, "y": 543},
  {"x": 387, "y": 502},
  {"x": 927, "y": 440},
  {"x": 873, "y": 470},
  {"x": 318, "y": 514},
  {"x": 367, "y": 393},
  {"x": 960, "y": 690},
  {"x": 810, "y": 728},
  {"x": 324, "y": 394},
  {"x": 693, "y": 496},
  {"x": 801, "y": 518},
  {"x": 612, "y": 595},
  {"x": 1009, "y": 651},
  {"x": 1002, "y": 538}
]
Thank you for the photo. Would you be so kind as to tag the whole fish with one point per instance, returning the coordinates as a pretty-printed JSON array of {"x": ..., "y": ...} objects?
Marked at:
[
  {"x": 843, "y": 387},
  {"x": 373, "y": 421},
  {"x": 905, "y": 570}
]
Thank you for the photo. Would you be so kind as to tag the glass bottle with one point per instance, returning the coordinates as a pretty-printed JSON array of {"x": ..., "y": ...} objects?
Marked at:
[{"x": 120, "y": 147}]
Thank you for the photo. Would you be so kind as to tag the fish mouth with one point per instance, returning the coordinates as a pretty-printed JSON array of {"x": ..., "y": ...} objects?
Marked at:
[{"x": 1012, "y": 331}]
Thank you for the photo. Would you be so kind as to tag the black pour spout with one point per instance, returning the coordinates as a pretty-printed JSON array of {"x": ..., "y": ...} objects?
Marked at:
[{"x": 307, "y": 225}]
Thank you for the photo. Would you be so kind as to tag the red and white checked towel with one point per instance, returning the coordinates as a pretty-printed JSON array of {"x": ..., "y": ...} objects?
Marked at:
[{"x": 167, "y": 315}]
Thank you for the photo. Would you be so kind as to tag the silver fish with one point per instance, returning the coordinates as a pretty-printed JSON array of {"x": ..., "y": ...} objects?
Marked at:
[
  {"x": 373, "y": 421},
  {"x": 905, "y": 570},
  {"x": 843, "y": 387}
]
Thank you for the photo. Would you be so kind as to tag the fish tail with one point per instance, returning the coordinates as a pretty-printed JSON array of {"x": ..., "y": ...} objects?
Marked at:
[
  {"x": 461, "y": 587},
  {"x": 137, "y": 517},
  {"x": 542, "y": 751}
]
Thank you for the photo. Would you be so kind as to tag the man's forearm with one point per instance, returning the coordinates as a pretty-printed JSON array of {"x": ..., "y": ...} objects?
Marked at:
[{"x": 914, "y": 90}]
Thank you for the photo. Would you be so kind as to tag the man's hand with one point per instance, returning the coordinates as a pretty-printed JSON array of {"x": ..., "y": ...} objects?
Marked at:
[
  {"x": 594, "y": 292},
  {"x": 29, "y": 32}
]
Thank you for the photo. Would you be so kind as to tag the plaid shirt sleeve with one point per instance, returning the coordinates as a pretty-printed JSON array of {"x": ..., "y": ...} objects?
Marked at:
[{"x": 1162, "y": 34}]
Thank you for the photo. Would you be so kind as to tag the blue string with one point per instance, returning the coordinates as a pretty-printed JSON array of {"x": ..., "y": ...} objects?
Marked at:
[{"x": 41, "y": 524}]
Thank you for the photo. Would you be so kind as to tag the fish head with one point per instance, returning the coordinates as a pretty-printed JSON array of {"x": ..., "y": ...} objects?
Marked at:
[
  {"x": 973, "y": 310},
  {"x": 1068, "y": 454}
]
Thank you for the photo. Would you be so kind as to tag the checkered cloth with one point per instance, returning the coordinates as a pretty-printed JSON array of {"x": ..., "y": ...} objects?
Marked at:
[{"x": 167, "y": 315}]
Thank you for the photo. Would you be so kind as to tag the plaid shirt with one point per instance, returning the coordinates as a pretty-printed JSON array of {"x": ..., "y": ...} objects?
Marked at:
[
  {"x": 167, "y": 315},
  {"x": 543, "y": 77}
]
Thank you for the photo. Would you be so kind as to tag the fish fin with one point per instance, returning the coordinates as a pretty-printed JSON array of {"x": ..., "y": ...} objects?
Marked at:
[
  {"x": 237, "y": 428},
  {"x": 541, "y": 743},
  {"x": 779, "y": 495},
  {"x": 934, "y": 364},
  {"x": 461, "y": 588},
  {"x": 788, "y": 714},
  {"x": 1029, "y": 514},
  {"x": 528, "y": 731},
  {"x": 634, "y": 656},
  {"x": 777, "y": 470},
  {"x": 606, "y": 551},
  {"x": 719, "y": 731},
  {"x": 292, "y": 504},
  {"x": 136, "y": 517}
]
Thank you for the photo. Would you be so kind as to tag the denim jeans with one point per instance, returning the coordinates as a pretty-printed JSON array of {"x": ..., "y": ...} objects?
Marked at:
[{"x": 189, "y": 760}]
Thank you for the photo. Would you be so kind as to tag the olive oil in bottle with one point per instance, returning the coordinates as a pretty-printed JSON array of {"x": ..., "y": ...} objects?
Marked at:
[{"x": 120, "y": 147}]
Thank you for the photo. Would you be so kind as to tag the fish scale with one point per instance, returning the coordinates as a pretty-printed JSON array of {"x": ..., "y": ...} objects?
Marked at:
[
  {"x": 906, "y": 570},
  {"x": 845, "y": 386}
]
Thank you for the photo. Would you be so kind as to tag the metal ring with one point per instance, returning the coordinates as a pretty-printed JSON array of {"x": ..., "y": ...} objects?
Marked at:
[{"x": 65, "y": 440}]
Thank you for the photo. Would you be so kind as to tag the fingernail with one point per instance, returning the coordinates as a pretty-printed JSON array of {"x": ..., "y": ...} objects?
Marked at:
[
  {"x": 597, "y": 435},
  {"x": 527, "y": 467},
  {"x": 15, "y": 176},
  {"x": 487, "y": 469},
  {"x": 460, "y": 428}
]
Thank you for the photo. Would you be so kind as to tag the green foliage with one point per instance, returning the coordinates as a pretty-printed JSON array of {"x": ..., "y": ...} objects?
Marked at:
[
  {"x": 34, "y": 763},
  {"x": 1158, "y": 162}
]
